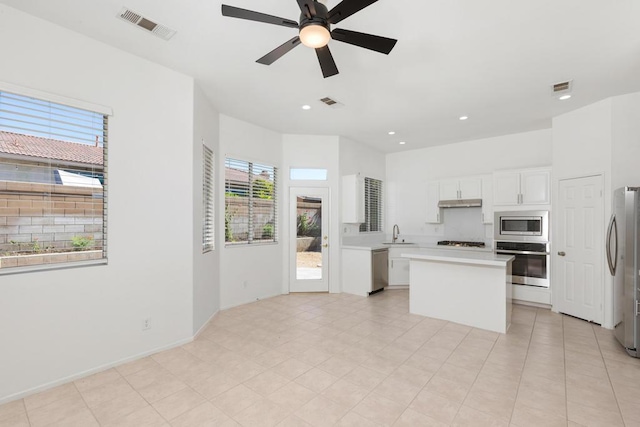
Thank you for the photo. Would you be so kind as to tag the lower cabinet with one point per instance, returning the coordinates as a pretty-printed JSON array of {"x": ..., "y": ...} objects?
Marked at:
[{"x": 398, "y": 271}]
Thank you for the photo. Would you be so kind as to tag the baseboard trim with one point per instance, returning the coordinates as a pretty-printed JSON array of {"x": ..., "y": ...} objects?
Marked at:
[
  {"x": 227, "y": 307},
  {"x": 205, "y": 324},
  {"x": 82, "y": 374}
]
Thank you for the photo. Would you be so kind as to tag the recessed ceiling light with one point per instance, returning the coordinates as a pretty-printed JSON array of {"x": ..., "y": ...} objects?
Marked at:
[
  {"x": 306, "y": 107},
  {"x": 564, "y": 97},
  {"x": 402, "y": 142},
  {"x": 464, "y": 117},
  {"x": 391, "y": 132}
]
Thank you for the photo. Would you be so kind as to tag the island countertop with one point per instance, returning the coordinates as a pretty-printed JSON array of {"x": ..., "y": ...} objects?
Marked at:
[{"x": 458, "y": 256}]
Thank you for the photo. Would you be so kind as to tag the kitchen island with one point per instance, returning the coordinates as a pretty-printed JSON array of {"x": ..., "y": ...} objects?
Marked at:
[{"x": 471, "y": 288}]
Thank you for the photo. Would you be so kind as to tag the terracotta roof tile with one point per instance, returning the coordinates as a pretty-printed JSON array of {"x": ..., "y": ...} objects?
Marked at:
[{"x": 34, "y": 146}]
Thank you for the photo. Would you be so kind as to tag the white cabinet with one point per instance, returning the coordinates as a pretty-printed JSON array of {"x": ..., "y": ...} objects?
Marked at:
[
  {"x": 352, "y": 199},
  {"x": 522, "y": 187},
  {"x": 433, "y": 197},
  {"x": 398, "y": 271},
  {"x": 461, "y": 188},
  {"x": 487, "y": 199}
]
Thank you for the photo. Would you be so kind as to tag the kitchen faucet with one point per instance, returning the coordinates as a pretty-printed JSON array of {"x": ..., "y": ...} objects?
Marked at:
[{"x": 396, "y": 232}]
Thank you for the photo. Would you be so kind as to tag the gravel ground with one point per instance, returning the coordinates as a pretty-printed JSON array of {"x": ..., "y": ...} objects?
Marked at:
[{"x": 309, "y": 259}]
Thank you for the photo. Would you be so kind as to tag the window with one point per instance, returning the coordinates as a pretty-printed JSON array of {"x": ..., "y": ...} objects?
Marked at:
[
  {"x": 372, "y": 205},
  {"x": 250, "y": 211},
  {"x": 207, "y": 199},
  {"x": 307, "y": 174},
  {"x": 53, "y": 184}
]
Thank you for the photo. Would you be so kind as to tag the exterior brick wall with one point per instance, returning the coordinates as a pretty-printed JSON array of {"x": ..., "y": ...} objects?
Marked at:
[
  {"x": 238, "y": 209},
  {"x": 50, "y": 215}
]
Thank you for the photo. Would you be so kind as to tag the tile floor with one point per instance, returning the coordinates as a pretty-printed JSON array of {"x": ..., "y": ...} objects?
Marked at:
[{"x": 342, "y": 360}]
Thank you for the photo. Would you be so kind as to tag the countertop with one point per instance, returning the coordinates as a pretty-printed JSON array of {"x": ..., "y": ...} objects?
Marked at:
[
  {"x": 458, "y": 256},
  {"x": 433, "y": 246}
]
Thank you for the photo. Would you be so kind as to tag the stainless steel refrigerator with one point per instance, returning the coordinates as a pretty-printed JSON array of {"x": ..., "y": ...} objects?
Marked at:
[{"x": 623, "y": 256}]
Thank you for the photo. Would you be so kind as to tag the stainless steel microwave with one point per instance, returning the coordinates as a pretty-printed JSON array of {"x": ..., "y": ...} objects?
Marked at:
[{"x": 522, "y": 226}]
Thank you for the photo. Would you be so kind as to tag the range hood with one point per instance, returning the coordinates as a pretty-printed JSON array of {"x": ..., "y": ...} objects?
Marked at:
[{"x": 460, "y": 203}]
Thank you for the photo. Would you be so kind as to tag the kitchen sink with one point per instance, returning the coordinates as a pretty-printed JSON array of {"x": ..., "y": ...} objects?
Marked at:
[{"x": 398, "y": 243}]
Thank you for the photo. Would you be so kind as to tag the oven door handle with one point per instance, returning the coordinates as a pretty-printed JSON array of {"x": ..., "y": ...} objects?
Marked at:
[{"x": 504, "y": 251}]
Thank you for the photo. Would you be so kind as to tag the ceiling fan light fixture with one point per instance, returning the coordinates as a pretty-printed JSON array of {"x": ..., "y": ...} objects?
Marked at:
[{"x": 314, "y": 36}]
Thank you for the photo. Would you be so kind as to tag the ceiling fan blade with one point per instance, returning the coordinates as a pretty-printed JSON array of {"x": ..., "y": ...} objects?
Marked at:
[
  {"x": 346, "y": 8},
  {"x": 328, "y": 65},
  {"x": 278, "y": 52},
  {"x": 236, "y": 12},
  {"x": 308, "y": 8},
  {"x": 367, "y": 41}
]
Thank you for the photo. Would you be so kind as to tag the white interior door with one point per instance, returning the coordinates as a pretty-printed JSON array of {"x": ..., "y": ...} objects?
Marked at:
[
  {"x": 579, "y": 248},
  {"x": 309, "y": 242}
]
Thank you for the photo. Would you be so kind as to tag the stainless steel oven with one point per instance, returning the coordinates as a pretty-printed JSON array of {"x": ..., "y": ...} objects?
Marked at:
[
  {"x": 531, "y": 263},
  {"x": 522, "y": 226}
]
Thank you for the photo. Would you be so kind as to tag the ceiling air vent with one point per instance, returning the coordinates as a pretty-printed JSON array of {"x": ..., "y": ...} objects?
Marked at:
[
  {"x": 562, "y": 87},
  {"x": 140, "y": 21},
  {"x": 331, "y": 102}
]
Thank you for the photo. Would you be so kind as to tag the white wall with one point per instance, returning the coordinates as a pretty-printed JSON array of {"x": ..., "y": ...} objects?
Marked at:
[
  {"x": 55, "y": 325},
  {"x": 247, "y": 271},
  {"x": 582, "y": 146},
  {"x": 625, "y": 156},
  {"x": 206, "y": 267},
  {"x": 408, "y": 171},
  {"x": 311, "y": 151}
]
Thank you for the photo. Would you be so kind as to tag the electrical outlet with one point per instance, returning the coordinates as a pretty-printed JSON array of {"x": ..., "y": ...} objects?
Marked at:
[{"x": 146, "y": 324}]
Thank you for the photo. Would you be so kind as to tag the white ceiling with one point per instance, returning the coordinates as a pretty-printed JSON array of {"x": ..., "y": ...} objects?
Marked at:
[{"x": 493, "y": 60}]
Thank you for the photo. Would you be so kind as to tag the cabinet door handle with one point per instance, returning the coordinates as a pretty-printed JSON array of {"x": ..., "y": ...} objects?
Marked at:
[{"x": 561, "y": 253}]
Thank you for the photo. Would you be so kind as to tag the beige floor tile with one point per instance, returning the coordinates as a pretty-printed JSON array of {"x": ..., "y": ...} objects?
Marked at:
[
  {"x": 352, "y": 419},
  {"x": 411, "y": 418},
  {"x": 131, "y": 368},
  {"x": 494, "y": 403},
  {"x": 524, "y": 416},
  {"x": 84, "y": 418},
  {"x": 397, "y": 389},
  {"x": 266, "y": 382},
  {"x": 345, "y": 393},
  {"x": 364, "y": 377},
  {"x": 155, "y": 383},
  {"x": 95, "y": 380},
  {"x": 314, "y": 356},
  {"x": 590, "y": 416},
  {"x": 203, "y": 415},
  {"x": 56, "y": 411},
  {"x": 316, "y": 380},
  {"x": 119, "y": 407},
  {"x": 435, "y": 406},
  {"x": 215, "y": 385},
  {"x": 105, "y": 392},
  {"x": 471, "y": 417},
  {"x": 379, "y": 409},
  {"x": 542, "y": 400},
  {"x": 144, "y": 417},
  {"x": 19, "y": 420},
  {"x": 337, "y": 366},
  {"x": 291, "y": 368},
  {"x": 178, "y": 403},
  {"x": 270, "y": 358},
  {"x": 321, "y": 412},
  {"x": 236, "y": 399},
  {"x": 244, "y": 370},
  {"x": 292, "y": 396},
  {"x": 49, "y": 396},
  {"x": 12, "y": 409},
  {"x": 293, "y": 421},
  {"x": 450, "y": 389},
  {"x": 263, "y": 413}
]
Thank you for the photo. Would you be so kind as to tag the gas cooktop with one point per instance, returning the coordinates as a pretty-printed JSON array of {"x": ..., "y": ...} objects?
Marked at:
[{"x": 461, "y": 244}]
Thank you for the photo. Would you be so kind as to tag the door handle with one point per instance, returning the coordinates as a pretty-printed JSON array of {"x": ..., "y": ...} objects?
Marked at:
[
  {"x": 612, "y": 260},
  {"x": 561, "y": 253},
  {"x": 325, "y": 245}
]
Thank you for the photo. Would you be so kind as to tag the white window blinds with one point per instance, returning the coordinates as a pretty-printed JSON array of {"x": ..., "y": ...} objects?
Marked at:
[
  {"x": 53, "y": 183},
  {"x": 207, "y": 200},
  {"x": 251, "y": 206},
  {"x": 372, "y": 205}
]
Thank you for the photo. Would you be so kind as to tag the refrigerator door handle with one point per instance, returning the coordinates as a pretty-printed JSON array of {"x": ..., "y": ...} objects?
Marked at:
[{"x": 612, "y": 230}]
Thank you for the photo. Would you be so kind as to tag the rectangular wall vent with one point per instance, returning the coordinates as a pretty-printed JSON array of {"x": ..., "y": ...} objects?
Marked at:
[
  {"x": 562, "y": 87},
  {"x": 331, "y": 102},
  {"x": 147, "y": 24}
]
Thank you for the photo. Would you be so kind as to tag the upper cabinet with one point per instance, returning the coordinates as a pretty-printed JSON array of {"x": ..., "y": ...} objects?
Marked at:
[
  {"x": 353, "y": 199},
  {"x": 433, "y": 197},
  {"x": 522, "y": 187},
  {"x": 487, "y": 199},
  {"x": 461, "y": 188}
]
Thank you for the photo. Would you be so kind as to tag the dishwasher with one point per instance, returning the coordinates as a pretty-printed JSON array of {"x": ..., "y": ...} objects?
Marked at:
[{"x": 379, "y": 270}]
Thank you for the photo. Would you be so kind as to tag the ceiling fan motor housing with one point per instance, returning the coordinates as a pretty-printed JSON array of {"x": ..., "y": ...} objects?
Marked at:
[{"x": 320, "y": 18}]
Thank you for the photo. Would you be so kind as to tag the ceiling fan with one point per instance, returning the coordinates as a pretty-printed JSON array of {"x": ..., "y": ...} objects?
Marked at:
[{"x": 315, "y": 30}]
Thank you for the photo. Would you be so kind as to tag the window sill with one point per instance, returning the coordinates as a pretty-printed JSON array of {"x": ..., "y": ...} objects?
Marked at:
[
  {"x": 249, "y": 245},
  {"x": 9, "y": 264}
]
